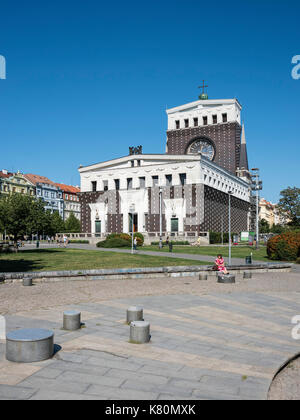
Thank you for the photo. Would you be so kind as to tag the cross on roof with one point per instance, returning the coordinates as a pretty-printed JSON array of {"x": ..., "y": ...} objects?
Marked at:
[{"x": 203, "y": 86}]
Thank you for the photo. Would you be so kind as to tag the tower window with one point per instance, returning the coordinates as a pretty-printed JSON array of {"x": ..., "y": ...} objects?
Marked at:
[
  {"x": 129, "y": 183},
  {"x": 195, "y": 122},
  {"x": 117, "y": 184},
  {"x": 224, "y": 117},
  {"x": 177, "y": 124},
  {"x": 142, "y": 181},
  {"x": 132, "y": 163},
  {"x": 105, "y": 185},
  {"x": 155, "y": 180},
  {"x": 168, "y": 180},
  {"x": 182, "y": 178},
  {"x": 94, "y": 186},
  {"x": 186, "y": 123},
  {"x": 204, "y": 120},
  {"x": 215, "y": 119}
]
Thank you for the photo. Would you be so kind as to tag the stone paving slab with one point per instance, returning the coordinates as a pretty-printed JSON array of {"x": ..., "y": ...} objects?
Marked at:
[{"x": 214, "y": 346}]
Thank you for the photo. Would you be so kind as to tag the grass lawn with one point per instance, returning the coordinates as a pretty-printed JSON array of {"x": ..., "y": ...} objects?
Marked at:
[
  {"x": 75, "y": 259},
  {"x": 236, "y": 251}
]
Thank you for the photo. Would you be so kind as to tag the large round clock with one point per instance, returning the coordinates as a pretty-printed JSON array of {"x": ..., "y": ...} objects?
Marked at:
[{"x": 203, "y": 146}]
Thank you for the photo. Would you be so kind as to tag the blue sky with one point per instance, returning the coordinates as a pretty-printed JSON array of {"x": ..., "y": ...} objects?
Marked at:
[{"x": 86, "y": 80}]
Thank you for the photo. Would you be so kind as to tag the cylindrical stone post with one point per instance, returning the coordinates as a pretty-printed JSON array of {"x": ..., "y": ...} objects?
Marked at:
[
  {"x": 29, "y": 345},
  {"x": 72, "y": 320},
  {"x": 27, "y": 281},
  {"x": 247, "y": 275},
  {"x": 139, "y": 332},
  {"x": 134, "y": 313},
  {"x": 202, "y": 276},
  {"x": 226, "y": 278}
]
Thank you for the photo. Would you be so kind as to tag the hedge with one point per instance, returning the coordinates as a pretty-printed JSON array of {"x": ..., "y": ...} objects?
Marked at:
[
  {"x": 284, "y": 247},
  {"x": 120, "y": 240}
]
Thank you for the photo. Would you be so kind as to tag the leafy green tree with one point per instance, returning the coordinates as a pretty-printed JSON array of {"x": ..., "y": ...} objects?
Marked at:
[
  {"x": 22, "y": 215},
  {"x": 264, "y": 226},
  {"x": 57, "y": 224},
  {"x": 72, "y": 224},
  {"x": 289, "y": 205}
]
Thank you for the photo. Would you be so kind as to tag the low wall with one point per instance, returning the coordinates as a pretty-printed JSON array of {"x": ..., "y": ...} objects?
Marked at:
[{"x": 137, "y": 273}]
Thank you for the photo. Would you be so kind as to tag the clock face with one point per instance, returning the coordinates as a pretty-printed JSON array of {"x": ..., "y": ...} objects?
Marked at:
[{"x": 203, "y": 146}]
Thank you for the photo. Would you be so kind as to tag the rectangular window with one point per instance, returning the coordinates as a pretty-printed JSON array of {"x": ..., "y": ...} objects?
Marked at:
[
  {"x": 215, "y": 119},
  {"x": 132, "y": 163},
  {"x": 195, "y": 122},
  {"x": 117, "y": 184},
  {"x": 142, "y": 181},
  {"x": 182, "y": 178},
  {"x": 94, "y": 186},
  {"x": 129, "y": 183},
  {"x": 155, "y": 180},
  {"x": 105, "y": 185},
  {"x": 138, "y": 163},
  {"x": 186, "y": 123},
  {"x": 224, "y": 118},
  {"x": 177, "y": 124},
  {"x": 168, "y": 180},
  {"x": 204, "y": 120}
]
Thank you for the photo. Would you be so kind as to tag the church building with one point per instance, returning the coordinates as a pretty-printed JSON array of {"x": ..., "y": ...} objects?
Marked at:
[{"x": 183, "y": 193}]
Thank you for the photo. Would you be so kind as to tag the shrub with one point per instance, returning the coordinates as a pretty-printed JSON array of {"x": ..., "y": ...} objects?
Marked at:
[
  {"x": 140, "y": 238},
  {"x": 173, "y": 243},
  {"x": 114, "y": 243},
  {"x": 216, "y": 237},
  {"x": 78, "y": 241},
  {"x": 122, "y": 237},
  {"x": 284, "y": 247}
]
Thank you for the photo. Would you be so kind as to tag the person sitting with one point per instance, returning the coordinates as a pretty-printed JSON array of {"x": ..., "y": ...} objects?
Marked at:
[{"x": 221, "y": 264}]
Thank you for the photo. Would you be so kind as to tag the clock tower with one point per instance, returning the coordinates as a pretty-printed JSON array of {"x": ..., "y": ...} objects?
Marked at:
[{"x": 211, "y": 127}]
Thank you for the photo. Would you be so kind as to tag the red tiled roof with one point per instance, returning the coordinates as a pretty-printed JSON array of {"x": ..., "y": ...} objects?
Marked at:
[
  {"x": 8, "y": 175},
  {"x": 34, "y": 179},
  {"x": 68, "y": 188}
]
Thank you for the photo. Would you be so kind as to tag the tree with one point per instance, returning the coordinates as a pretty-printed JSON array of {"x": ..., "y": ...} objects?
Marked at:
[
  {"x": 264, "y": 226},
  {"x": 289, "y": 205},
  {"x": 21, "y": 215},
  {"x": 57, "y": 224},
  {"x": 72, "y": 224}
]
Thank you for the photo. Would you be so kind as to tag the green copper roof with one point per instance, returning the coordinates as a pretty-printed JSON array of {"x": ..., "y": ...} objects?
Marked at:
[{"x": 203, "y": 96}]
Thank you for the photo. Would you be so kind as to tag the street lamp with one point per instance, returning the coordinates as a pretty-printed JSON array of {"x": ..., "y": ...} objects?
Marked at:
[
  {"x": 132, "y": 210},
  {"x": 229, "y": 224},
  {"x": 256, "y": 186},
  {"x": 160, "y": 217}
]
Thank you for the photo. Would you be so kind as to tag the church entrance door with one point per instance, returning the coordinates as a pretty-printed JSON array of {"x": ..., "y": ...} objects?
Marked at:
[
  {"x": 133, "y": 218},
  {"x": 174, "y": 225},
  {"x": 97, "y": 227}
]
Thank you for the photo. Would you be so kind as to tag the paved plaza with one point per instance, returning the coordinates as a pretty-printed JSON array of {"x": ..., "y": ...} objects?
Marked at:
[{"x": 209, "y": 340}]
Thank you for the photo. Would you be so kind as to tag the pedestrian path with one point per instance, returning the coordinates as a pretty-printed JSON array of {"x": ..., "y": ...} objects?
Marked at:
[{"x": 214, "y": 346}]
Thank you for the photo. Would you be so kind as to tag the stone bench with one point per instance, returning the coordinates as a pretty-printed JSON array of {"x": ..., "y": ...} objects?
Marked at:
[
  {"x": 29, "y": 345},
  {"x": 226, "y": 278}
]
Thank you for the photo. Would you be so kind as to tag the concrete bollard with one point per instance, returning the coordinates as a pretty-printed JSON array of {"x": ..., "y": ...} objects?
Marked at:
[
  {"x": 72, "y": 320},
  {"x": 29, "y": 345},
  {"x": 226, "y": 278},
  {"x": 134, "y": 313},
  {"x": 27, "y": 281},
  {"x": 202, "y": 276},
  {"x": 139, "y": 332},
  {"x": 247, "y": 275}
]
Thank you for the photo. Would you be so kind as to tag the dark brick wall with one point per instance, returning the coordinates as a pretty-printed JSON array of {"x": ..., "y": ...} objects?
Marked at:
[
  {"x": 216, "y": 207},
  {"x": 226, "y": 138},
  {"x": 85, "y": 217}
]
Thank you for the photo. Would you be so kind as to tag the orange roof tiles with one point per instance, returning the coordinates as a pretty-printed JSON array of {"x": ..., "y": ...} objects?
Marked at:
[{"x": 68, "y": 188}]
